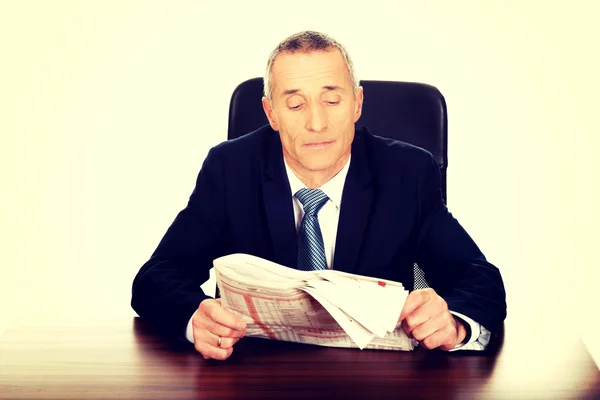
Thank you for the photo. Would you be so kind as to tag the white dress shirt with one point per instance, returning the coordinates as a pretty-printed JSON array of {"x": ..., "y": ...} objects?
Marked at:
[
  {"x": 329, "y": 214},
  {"x": 328, "y": 217}
]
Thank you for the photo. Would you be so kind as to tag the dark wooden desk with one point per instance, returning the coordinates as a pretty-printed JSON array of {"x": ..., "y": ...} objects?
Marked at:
[{"x": 124, "y": 359}]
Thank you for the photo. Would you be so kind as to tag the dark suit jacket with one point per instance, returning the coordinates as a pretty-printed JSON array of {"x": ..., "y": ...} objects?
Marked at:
[{"x": 392, "y": 215}]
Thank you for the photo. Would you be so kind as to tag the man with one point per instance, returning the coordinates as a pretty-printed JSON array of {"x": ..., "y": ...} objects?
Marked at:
[{"x": 310, "y": 191}]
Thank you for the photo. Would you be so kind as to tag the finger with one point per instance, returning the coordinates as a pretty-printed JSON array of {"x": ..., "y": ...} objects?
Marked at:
[
  {"x": 220, "y": 330},
  {"x": 211, "y": 310},
  {"x": 227, "y": 343},
  {"x": 215, "y": 340},
  {"x": 415, "y": 299},
  {"x": 447, "y": 347},
  {"x": 222, "y": 342},
  {"x": 431, "y": 309},
  {"x": 217, "y": 353},
  {"x": 437, "y": 339},
  {"x": 222, "y": 316},
  {"x": 428, "y": 328},
  {"x": 207, "y": 344},
  {"x": 205, "y": 336}
]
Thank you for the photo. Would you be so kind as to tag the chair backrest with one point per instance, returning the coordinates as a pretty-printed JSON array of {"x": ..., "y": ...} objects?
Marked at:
[{"x": 411, "y": 112}]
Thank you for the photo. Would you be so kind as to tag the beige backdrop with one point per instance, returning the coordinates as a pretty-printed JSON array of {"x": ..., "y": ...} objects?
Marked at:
[{"x": 108, "y": 109}]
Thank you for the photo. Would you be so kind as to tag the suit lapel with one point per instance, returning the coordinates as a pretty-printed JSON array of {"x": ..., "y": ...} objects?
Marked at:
[
  {"x": 355, "y": 209},
  {"x": 278, "y": 206}
]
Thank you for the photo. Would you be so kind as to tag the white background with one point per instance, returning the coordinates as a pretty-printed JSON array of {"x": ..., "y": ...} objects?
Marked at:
[{"x": 107, "y": 110}]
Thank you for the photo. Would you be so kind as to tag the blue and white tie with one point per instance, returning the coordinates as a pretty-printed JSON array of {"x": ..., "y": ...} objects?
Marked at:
[{"x": 311, "y": 250}]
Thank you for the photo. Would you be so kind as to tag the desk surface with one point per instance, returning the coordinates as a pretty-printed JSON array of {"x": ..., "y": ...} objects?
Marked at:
[{"x": 124, "y": 359}]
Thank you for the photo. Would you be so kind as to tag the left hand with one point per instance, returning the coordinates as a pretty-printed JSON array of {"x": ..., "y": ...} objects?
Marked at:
[{"x": 425, "y": 317}]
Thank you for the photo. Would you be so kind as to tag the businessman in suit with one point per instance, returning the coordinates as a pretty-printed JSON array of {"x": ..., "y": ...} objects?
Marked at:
[{"x": 311, "y": 191}]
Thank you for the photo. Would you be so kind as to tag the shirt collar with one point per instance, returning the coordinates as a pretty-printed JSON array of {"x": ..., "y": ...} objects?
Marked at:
[{"x": 333, "y": 188}]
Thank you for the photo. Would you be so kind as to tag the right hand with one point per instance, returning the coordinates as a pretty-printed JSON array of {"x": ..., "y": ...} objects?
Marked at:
[{"x": 212, "y": 321}]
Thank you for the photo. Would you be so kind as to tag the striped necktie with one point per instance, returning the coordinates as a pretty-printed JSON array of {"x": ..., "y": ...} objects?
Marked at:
[{"x": 311, "y": 250}]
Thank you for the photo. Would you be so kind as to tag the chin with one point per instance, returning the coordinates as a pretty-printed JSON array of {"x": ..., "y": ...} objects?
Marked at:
[{"x": 318, "y": 164}]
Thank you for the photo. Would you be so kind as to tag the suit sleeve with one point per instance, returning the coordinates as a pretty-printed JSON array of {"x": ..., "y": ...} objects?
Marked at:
[
  {"x": 166, "y": 291},
  {"x": 453, "y": 264}
]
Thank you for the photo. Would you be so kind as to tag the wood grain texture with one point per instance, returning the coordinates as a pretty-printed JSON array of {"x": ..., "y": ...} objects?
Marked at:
[{"x": 128, "y": 360}]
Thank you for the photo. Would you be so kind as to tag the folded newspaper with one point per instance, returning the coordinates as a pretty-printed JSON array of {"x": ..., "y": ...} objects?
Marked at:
[{"x": 325, "y": 307}]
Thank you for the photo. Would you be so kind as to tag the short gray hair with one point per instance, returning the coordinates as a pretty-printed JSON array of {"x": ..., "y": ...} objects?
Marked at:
[{"x": 307, "y": 41}]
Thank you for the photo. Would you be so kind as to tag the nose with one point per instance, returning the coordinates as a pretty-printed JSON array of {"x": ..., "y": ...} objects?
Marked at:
[{"x": 317, "y": 118}]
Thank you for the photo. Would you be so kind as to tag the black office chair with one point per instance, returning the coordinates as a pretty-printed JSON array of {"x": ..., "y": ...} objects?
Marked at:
[
  {"x": 412, "y": 112},
  {"x": 406, "y": 111}
]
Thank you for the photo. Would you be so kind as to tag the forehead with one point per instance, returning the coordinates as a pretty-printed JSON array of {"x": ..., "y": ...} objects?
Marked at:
[{"x": 302, "y": 71}]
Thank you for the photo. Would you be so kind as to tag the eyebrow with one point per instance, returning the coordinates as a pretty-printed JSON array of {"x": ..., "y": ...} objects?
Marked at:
[
  {"x": 294, "y": 91},
  {"x": 290, "y": 91}
]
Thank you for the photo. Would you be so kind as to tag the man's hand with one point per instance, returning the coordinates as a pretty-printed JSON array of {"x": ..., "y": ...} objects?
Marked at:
[
  {"x": 425, "y": 317},
  {"x": 212, "y": 322}
]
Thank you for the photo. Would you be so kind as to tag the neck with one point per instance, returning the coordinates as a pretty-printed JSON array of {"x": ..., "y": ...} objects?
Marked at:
[{"x": 316, "y": 179}]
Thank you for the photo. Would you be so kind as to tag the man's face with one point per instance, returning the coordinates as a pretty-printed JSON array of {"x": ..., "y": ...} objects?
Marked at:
[{"x": 314, "y": 108}]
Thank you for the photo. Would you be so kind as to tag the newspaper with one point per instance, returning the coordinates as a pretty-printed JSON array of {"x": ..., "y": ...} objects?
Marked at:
[{"x": 325, "y": 307}]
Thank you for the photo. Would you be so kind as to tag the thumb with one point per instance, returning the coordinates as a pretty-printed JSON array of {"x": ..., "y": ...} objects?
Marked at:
[{"x": 414, "y": 300}]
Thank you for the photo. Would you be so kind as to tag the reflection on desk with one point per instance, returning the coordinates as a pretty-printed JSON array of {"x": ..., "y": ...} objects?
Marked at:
[{"x": 125, "y": 360}]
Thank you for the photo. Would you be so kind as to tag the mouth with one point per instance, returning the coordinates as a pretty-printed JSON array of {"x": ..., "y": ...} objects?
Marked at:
[{"x": 318, "y": 145}]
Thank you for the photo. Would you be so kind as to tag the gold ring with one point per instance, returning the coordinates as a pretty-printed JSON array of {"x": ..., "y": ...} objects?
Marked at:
[{"x": 219, "y": 342}]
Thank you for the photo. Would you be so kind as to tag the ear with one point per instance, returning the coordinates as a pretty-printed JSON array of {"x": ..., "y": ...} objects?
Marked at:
[
  {"x": 267, "y": 107},
  {"x": 359, "y": 103}
]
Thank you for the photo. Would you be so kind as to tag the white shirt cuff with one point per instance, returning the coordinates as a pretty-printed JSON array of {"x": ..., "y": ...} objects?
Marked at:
[
  {"x": 189, "y": 332},
  {"x": 474, "y": 342}
]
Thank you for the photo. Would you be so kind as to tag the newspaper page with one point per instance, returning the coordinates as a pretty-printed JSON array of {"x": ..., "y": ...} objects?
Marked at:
[{"x": 327, "y": 308}]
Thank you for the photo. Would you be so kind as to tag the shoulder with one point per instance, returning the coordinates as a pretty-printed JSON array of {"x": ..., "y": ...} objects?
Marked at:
[
  {"x": 251, "y": 145},
  {"x": 391, "y": 153}
]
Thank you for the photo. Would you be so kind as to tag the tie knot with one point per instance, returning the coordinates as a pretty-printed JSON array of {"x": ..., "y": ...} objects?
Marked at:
[{"x": 312, "y": 200}]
